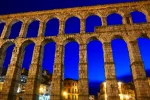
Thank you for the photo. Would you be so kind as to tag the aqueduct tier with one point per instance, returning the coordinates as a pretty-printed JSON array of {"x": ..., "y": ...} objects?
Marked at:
[{"x": 128, "y": 30}]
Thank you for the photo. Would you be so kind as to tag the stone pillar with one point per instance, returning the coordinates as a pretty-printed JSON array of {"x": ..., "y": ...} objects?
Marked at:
[
  {"x": 83, "y": 74},
  {"x": 5, "y": 29},
  {"x": 57, "y": 74},
  {"x": 126, "y": 19},
  {"x": 12, "y": 78},
  {"x": 42, "y": 27},
  {"x": 148, "y": 17},
  {"x": 23, "y": 29},
  {"x": 34, "y": 76},
  {"x": 61, "y": 27},
  {"x": 112, "y": 91},
  {"x": 82, "y": 26},
  {"x": 104, "y": 21},
  {"x": 139, "y": 76},
  {"x": 2, "y": 59}
]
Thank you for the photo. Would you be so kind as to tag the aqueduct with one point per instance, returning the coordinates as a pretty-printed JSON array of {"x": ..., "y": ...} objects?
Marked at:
[{"x": 128, "y": 31}]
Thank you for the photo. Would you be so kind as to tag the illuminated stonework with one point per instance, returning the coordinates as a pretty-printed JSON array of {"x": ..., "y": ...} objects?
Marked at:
[{"x": 128, "y": 31}]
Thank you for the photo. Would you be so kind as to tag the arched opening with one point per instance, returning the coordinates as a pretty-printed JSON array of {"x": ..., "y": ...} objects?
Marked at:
[
  {"x": 15, "y": 30},
  {"x": 24, "y": 61},
  {"x": 33, "y": 29},
  {"x": 144, "y": 47},
  {"x": 52, "y": 27},
  {"x": 96, "y": 73},
  {"x": 91, "y": 22},
  {"x": 5, "y": 58},
  {"x": 47, "y": 56},
  {"x": 138, "y": 17},
  {"x": 123, "y": 68},
  {"x": 72, "y": 25},
  {"x": 71, "y": 76},
  {"x": 8, "y": 56},
  {"x": 1, "y": 27},
  {"x": 28, "y": 51},
  {"x": 121, "y": 60},
  {"x": 114, "y": 19}
]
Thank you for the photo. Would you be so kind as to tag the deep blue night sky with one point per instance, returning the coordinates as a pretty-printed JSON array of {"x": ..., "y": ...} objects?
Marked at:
[{"x": 94, "y": 48}]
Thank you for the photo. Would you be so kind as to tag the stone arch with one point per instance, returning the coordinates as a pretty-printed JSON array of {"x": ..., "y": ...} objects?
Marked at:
[
  {"x": 6, "y": 45},
  {"x": 48, "y": 45},
  {"x": 144, "y": 48},
  {"x": 69, "y": 40},
  {"x": 32, "y": 28},
  {"x": 111, "y": 19},
  {"x": 119, "y": 36},
  {"x": 91, "y": 22},
  {"x": 95, "y": 62},
  {"x": 91, "y": 39},
  {"x": 119, "y": 12},
  {"x": 138, "y": 17},
  {"x": 143, "y": 35},
  {"x": 72, "y": 25},
  {"x": 14, "y": 30},
  {"x": 25, "y": 43},
  {"x": 92, "y": 13},
  {"x": 44, "y": 42},
  {"x": 120, "y": 50},
  {"x": 22, "y": 51},
  {"x": 71, "y": 59},
  {"x": 52, "y": 27},
  {"x": 6, "y": 53},
  {"x": 50, "y": 18}
]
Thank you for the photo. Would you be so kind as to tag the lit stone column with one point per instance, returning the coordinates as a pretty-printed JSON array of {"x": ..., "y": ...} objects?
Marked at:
[
  {"x": 148, "y": 17},
  {"x": 56, "y": 87},
  {"x": 5, "y": 29},
  {"x": 111, "y": 82},
  {"x": 42, "y": 27},
  {"x": 82, "y": 26},
  {"x": 61, "y": 27},
  {"x": 83, "y": 73},
  {"x": 23, "y": 29},
  {"x": 2, "y": 59},
  {"x": 126, "y": 19},
  {"x": 34, "y": 76},
  {"x": 139, "y": 76},
  {"x": 12, "y": 78},
  {"x": 104, "y": 21}
]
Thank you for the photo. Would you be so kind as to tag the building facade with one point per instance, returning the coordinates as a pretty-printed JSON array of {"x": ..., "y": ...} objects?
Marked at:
[
  {"x": 128, "y": 31},
  {"x": 70, "y": 89}
]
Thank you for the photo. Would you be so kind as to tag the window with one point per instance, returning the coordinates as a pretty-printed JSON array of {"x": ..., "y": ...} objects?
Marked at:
[
  {"x": 72, "y": 90},
  {"x": 69, "y": 90},
  {"x": 69, "y": 84},
  {"x": 68, "y": 96}
]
